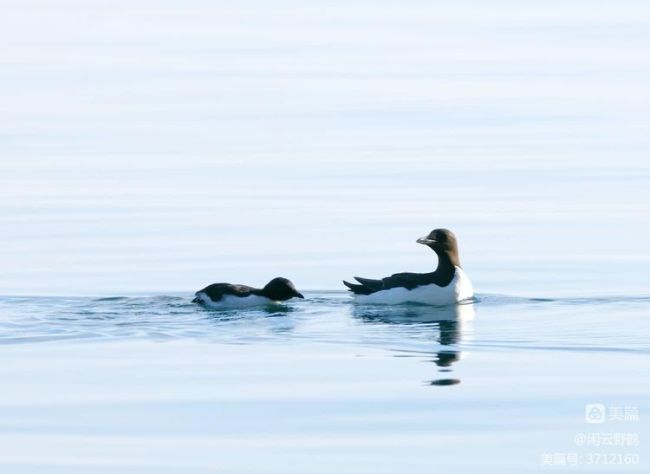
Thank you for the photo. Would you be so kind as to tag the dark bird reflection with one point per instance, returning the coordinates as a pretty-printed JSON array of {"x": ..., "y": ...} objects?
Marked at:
[{"x": 446, "y": 324}]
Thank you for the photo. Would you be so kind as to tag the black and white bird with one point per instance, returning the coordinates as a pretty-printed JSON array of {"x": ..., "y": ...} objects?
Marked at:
[
  {"x": 447, "y": 285},
  {"x": 229, "y": 296}
]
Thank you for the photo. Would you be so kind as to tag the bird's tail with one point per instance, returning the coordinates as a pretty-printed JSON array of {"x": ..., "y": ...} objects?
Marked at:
[{"x": 357, "y": 289}]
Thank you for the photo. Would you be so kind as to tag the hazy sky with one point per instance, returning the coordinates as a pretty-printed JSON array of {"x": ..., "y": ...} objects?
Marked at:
[{"x": 159, "y": 146}]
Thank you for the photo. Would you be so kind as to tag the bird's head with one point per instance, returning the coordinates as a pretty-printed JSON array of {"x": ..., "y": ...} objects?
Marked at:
[
  {"x": 443, "y": 242},
  {"x": 281, "y": 289}
]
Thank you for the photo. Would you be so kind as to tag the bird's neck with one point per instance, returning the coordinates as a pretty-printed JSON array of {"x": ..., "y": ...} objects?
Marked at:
[
  {"x": 261, "y": 292},
  {"x": 271, "y": 294},
  {"x": 447, "y": 261}
]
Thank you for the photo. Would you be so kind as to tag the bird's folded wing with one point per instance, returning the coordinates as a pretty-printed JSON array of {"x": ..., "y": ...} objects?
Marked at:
[
  {"x": 404, "y": 280},
  {"x": 216, "y": 291}
]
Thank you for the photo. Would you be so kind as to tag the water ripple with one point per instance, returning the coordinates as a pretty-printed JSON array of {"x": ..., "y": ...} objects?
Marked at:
[{"x": 490, "y": 322}]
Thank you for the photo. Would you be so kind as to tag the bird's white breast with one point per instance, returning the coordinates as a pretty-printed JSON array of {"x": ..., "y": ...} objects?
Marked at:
[
  {"x": 234, "y": 302},
  {"x": 458, "y": 290}
]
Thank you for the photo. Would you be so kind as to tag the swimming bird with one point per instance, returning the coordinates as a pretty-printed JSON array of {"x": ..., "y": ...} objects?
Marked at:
[
  {"x": 229, "y": 296},
  {"x": 447, "y": 285}
]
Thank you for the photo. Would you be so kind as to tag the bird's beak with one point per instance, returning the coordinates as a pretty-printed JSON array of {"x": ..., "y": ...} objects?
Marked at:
[
  {"x": 425, "y": 241},
  {"x": 299, "y": 295}
]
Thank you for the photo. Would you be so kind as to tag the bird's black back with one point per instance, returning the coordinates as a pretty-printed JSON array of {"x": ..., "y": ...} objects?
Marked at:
[
  {"x": 216, "y": 291},
  {"x": 409, "y": 281}
]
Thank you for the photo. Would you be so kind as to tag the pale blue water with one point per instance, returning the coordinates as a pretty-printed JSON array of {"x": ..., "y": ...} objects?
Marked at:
[
  {"x": 157, "y": 384},
  {"x": 148, "y": 149}
]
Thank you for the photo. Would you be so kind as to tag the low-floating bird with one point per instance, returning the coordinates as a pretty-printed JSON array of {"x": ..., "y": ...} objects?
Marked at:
[
  {"x": 447, "y": 285},
  {"x": 229, "y": 296}
]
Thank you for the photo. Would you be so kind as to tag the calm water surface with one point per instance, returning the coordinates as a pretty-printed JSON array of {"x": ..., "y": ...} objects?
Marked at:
[
  {"x": 157, "y": 384},
  {"x": 149, "y": 148}
]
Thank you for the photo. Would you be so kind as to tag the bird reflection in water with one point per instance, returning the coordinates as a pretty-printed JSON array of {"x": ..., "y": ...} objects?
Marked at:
[{"x": 449, "y": 321}]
